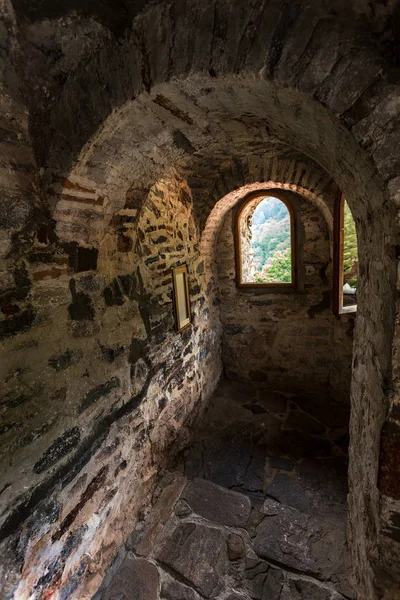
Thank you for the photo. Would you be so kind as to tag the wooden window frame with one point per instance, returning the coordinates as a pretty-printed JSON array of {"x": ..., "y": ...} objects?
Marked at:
[
  {"x": 338, "y": 245},
  {"x": 181, "y": 326},
  {"x": 238, "y": 243}
]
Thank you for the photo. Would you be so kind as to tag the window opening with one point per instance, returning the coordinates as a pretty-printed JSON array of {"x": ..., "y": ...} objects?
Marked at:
[
  {"x": 346, "y": 259},
  {"x": 264, "y": 242}
]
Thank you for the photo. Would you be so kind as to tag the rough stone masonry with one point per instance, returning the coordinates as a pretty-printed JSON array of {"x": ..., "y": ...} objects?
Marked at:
[{"x": 130, "y": 132}]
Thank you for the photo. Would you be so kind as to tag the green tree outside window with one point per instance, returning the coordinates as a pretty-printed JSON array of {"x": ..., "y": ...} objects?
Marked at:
[{"x": 350, "y": 250}]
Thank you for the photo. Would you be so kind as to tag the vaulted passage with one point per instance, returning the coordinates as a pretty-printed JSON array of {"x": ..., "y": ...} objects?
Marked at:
[
  {"x": 256, "y": 505},
  {"x": 199, "y": 391}
]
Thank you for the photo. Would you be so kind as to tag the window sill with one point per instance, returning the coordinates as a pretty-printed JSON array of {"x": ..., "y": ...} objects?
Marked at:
[{"x": 348, "y": 310}]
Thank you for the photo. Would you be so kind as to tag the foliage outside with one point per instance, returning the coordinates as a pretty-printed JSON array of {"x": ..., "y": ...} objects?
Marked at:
[
  {"x": 350, "y": 250},
  {"x": 278, "y": 270},
  {"x": 271, "y": 242}
]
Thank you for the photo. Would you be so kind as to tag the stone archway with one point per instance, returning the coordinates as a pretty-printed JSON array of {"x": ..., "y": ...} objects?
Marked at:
[
  {"x": 114, "y": 184},
  {"x": 130, "y": 106}
]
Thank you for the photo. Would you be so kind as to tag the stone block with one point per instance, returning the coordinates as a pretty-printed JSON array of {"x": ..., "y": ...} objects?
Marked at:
[
  {"x": 143, "y": 541},
  {"x": 136, "y": 579},
  {"x": 62, "y": 446},
  {"x": 216, "y": 503},
  {"x": 309, "y": 544},
  {"x": 181, "y": 551},
  {"x": 288, "y": 490},
  {"x": 94, "y": 395},
  {"x": 17, "y": 323},
  {"x": 173, "y": 590},
  {"x": 303, "y": 589}
]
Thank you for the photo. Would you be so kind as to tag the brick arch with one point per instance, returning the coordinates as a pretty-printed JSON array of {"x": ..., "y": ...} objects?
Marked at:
[
  {"x": 227, "y": 202},
  {"x": 181, "y": 133},
  {"x": 216, "y": 218}
]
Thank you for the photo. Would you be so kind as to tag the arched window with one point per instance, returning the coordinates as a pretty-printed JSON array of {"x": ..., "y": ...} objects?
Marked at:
[
  {"x": 265, "y": 242},
  {"x": 345, "y": 269}
]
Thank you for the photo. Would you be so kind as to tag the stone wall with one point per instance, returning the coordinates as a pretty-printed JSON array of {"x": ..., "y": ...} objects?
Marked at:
[
  {"x": 98, "y": 387},
  {"x": 287, "y": 339},
  {"x": 202, "y": 84},
  {"x": 246, "y": 250}
]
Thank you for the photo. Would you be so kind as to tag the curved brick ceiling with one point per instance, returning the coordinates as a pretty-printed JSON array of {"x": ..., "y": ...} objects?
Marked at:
[{"x": 328, "y": 53}]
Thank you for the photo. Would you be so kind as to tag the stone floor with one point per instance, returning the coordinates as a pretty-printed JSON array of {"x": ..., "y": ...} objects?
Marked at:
[{"x": 255, "y": 509}]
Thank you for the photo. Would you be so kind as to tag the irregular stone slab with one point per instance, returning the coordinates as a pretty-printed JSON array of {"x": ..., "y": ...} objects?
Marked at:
[
  {"x": 298, "y": 445},
  {"x": 223, "y": 412},
  {"x": 182, "y": 509},
  {"x": 273, "y": 585},
  {"x": 223, "y": 458},
  {"x": 287, "y": 490},
  {"x": 262, "y": 582},
  {"x": 311, "y": 544},
  {"x": 343, "y": 580},
  {"x": 254, "y": 479},
  {"x": 255, "y": 575},
  {"x": 197, "y": 553},
  {"x": 145, "y": 536},
  {"x": 235, "y": 391},
  {"x": 226, "y": 460},
  {"x": 136, "y": 579},
  {"x": 302, "y": 589},
  {"x": 256, "y": 409},
  {"x": 174, "y": 590},
  {"x": 343, "y": 442},
  {"x": 270, "y": 507},
  {"x": 216, "y": 503},
  {"x": 326, "y": 479},
  {"x": 255, "y": 519}
]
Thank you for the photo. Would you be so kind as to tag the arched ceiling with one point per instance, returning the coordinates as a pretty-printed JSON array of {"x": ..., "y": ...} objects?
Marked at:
[
  {"x": 203, "y": 124},
  {"x": 83, "y": 62}
]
